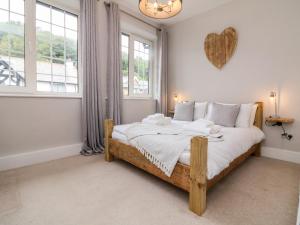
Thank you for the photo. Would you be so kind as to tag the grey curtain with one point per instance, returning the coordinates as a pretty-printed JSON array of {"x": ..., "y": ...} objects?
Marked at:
[
  {"x": 93, "y": 112},
  {"x": 162, "y": 79},
  {"x": 114, "y": 84}
]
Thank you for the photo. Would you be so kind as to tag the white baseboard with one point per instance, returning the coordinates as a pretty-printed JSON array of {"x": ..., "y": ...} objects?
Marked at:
[
  {"x": 298, "y": 217},
  {"x": 281, "y": 154},
  {"x": 30, "y": 158}
]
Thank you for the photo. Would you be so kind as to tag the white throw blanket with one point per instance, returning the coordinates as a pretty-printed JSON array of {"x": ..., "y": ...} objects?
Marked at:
[
  {"x": 157, "y": 119},
  {"x": 162, "y": 145}
]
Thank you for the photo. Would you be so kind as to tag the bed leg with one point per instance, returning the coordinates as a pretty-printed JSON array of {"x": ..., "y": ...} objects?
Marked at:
[
  {"x": 257, "y": 152},
  {"x": 108, "y": 129},
  {"x": 198, "y": 170}
]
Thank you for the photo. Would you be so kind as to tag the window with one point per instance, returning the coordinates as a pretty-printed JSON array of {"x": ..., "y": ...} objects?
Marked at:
[
  {"x": 56, "y": 49},
  {"x": 125, "y": 63},
  {"x": 12, "y": 39},
  {"x": 38, "y": 54},
  {"x": 136, "y": 66}
]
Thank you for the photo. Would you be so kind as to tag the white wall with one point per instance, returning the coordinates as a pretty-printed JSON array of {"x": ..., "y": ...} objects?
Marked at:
[
  {"x": 31, "y": 124},
  {"x": 134, "y": 110},
  {"x": 266, "y": 58}
]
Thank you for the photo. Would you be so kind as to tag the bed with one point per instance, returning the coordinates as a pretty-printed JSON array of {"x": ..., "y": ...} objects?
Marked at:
[{"x": 195, "y": 172}]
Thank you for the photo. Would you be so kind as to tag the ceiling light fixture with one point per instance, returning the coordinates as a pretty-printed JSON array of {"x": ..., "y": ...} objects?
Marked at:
[{"x": 160, "y": 9}]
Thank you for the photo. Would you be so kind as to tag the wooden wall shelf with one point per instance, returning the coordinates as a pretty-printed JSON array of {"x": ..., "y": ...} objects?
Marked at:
[{"x": 279, "y": 120}]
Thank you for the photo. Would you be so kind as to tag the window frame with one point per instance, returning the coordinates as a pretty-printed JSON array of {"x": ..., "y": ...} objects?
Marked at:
[
  {"x": 30, "y": 88},
  {"x": 132, "y": 38}
]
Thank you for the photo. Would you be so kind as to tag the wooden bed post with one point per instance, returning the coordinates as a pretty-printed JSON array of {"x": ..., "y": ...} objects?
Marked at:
[
  {"x": 198, "y": 170},
  {"x": 108, "y": 129},
  {"x": 258, "y": 122}
]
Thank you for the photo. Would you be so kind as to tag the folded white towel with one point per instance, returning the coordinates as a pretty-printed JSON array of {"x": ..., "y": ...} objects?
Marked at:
[
  {"x": 203, "y": 126},
  {"x": 156, "y": 116},
  {"x": 157, "y": 119}
]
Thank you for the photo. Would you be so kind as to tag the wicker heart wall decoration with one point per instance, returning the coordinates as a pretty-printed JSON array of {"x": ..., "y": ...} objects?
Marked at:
[{"x": 219, "y": 48}]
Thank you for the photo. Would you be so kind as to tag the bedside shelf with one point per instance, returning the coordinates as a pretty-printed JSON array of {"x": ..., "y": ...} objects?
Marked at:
[
  {"x": 279, "y": 120},
  {"x": 272, "y": 121}
]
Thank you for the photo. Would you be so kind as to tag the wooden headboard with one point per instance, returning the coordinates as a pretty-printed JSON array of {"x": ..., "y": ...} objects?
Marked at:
[{"x": 258, "y": 122}]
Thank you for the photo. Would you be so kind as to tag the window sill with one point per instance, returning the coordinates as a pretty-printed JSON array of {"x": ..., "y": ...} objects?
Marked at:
[
  {"x": 138, "y": 98},
  {"x": 40, "y": 95}
]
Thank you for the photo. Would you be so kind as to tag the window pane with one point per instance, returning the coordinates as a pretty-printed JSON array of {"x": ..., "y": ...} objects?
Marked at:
[
  {"x": 125, "y": 64},
  {"x": 17, "y": 78},
  {"x": 71, "y": 21},
  {"x": 12, "y": 47},
  {"x": 43, "y": 39},
  {"x": 58, "y": 67},
  {"x": 58, "y": 42},
  {"x": 71, "y": 88},
  {"x": 4, "y": 32},
  {"x": 44, "y": 78},
  {"x": 17, "y": 6},
  {"x": 44, "y": 82},
  {"x": 11, "y": 77},
  {"x": 141, "y": 68},
  {"x": 71, "y": 80},
  {"x": 58, "y": 17},
  {"x": 125, "y": 40},
  {"x": 3, "y": 18},
  {"x": 44, "y": 86},
  {"x": 59, "y": 79},
  {"x": 43, "y": 12},
  {"x": 71, "y": 68},
  {"x": 43, "y": 65},
  {"x": 58, "y": 87},
  {"x": 4, "y": 4},
  {"x": 71, "y": 45},
  {"x": 17, "y": 61},
  {"x": 4, "y": 74}
]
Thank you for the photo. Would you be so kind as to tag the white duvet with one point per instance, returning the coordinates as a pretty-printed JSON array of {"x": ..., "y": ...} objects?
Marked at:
[{"x": 220, "y": 154}]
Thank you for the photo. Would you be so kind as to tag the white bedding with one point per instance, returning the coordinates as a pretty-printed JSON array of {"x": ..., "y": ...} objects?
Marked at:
[{"x": 236, "y": 142}]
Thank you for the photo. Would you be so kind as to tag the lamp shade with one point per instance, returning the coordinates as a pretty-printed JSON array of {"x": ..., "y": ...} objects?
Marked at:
[{"x": 160, "y": 9}]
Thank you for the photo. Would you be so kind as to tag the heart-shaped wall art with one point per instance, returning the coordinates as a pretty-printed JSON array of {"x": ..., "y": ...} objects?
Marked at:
[{"x": 219, "y": 48}]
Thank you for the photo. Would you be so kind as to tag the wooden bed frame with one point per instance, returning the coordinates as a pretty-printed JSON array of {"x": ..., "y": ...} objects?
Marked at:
[{"x": 189, "y": 178}]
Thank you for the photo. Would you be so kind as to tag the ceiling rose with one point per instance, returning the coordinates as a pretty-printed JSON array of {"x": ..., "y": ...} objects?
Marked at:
[{"x": 160, "y": 9}]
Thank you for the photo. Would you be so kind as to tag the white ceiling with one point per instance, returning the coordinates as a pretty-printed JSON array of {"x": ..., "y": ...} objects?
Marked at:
[{"x": 190, "y": 8}]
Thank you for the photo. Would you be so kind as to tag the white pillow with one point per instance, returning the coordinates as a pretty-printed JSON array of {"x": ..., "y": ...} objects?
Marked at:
[
  {"x": 209, "y": 109},
  {"x": 184, "y": 111},
  {"x": 200, "y": 110},
  {"x": 224, "y": 114},
  {"x": 253, "y": 114},
  {"x": 210, "y": 106},
  {"x": 243, "y": 119}
]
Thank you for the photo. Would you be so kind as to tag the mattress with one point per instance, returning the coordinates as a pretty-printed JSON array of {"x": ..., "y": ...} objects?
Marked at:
[{"x": 220, "y": 154}]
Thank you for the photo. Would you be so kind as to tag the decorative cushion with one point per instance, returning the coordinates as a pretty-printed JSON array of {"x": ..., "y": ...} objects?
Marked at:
[
  {"x": 184, "y": 111},
  {"x": 200, "y": 110},
  {"x": 243, "y": 119},
  {"x": 223, "y": 114}
]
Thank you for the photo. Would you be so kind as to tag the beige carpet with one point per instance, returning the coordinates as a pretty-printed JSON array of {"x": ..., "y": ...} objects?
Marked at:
[{"x": 88, "y": 191}]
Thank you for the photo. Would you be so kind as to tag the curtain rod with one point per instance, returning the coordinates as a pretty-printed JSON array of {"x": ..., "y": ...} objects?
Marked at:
[{"x": 149, "y": 24}]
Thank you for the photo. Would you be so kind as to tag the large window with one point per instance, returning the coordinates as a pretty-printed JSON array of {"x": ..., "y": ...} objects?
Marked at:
[
  {"x": 38, "y": 54},
  {"x": 12, "y": 38},
  {"x": 56, "y": 47},
  {"x": 136, "y": 66}
]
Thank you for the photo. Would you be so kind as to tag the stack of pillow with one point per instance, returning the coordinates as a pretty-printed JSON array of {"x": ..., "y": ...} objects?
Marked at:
[{"x": 227, "y": 115}]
